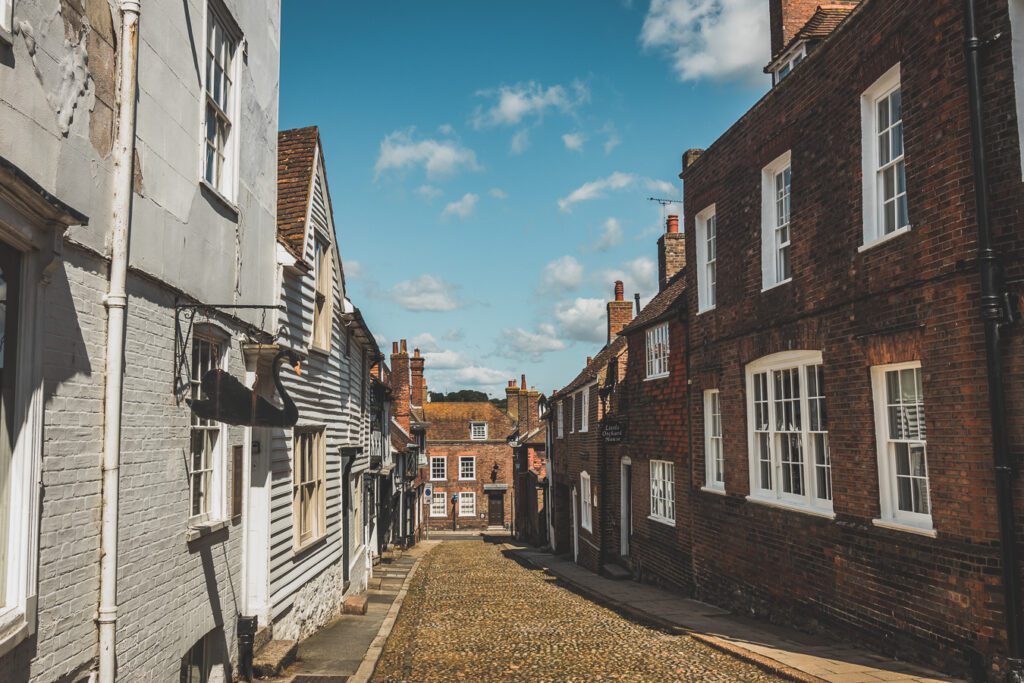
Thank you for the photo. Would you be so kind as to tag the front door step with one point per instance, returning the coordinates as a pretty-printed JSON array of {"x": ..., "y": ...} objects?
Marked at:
[
  {"x": 274, "y": 657},
  {"x": 616, "y": 572}
]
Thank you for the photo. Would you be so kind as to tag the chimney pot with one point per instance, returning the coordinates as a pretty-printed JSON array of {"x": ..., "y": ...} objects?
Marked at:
[
  {"x": 416, "y": 352},
  {"x": 405, "y": 349},
  {"x": 618, "y": 290},
  {"x": 394, "y": 347},
  {"x": 522, "y": 382},
  {"x": 590, "y": 360},
  {"x": 672, "y": 225}
]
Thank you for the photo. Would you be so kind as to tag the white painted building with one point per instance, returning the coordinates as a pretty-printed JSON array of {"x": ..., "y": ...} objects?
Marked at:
[{"x": 201, "y": 198}]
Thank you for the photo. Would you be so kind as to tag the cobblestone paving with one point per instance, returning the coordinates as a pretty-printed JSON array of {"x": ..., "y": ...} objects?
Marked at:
[{"x": 473, "y": 614}]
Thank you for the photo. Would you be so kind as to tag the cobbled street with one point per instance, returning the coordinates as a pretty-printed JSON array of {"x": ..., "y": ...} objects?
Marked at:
[{"x": 473, "y": 613}]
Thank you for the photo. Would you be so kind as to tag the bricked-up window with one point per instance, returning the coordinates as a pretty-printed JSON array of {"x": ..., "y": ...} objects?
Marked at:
[
  {"x": 467, "y": 467},
  {"x": 308, "y": 486},
  {"x": 884, "y": 166},
  {"x": 220, "y": 109},
  {"x": 713, "y": 457},
  {"x": 478, "y": 431},
  {"x": 707, "y": 259},
  {"x": 657, "y": 351},
  {"x": 663, "y": 492},
  {"x": 561, "y": 419},
  {"x": 775, "y": 211},
  {"x": 789, "y": 454},
  {"x": 585, "y": 409},
  {"x": 467, "y": 504},
  {"x": 205, "y": 464},
  {"x": 902, "y": 444},
  {"x": 323, "y": 281},
  {"x": 438, "y": 504},
  {"x": 586, "y": 504},
  {"x": 438, "y": 468}
]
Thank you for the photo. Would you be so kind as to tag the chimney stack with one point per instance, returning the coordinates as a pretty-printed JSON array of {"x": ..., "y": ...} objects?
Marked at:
[
  {"x": 671, "y": 252},
  {"x": 512, "y": 399},
  {"x": 400, "y": 384},
  {"x": 789, "y": 16},
  {"x": 620, "y": 312},
  {"x": 419, "y": 385}
]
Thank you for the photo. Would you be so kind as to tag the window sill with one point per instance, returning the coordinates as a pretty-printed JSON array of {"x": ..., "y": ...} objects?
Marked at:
[
  {"x": 14, "y": 628},
  {"x": 784, "y": 505},
  {"x": 717, "y": 490},
  {"x": 654, "y": 377},
  {"x": 903, "y": 526},
  {"x": 776, "y": 285},
  {"x": 444, "y": 479},
  {"x": 219, "y": 197},
  {"x": 320, "y": 351},
  {"x": 308, "y": 545},
  {"x": 662, "y": 520},
  {"x": 467, "y": 478},
  {"x": 705, "y": 310},
  {"x": 199, "y": 530},
  {"x": 882, "y": 240}
]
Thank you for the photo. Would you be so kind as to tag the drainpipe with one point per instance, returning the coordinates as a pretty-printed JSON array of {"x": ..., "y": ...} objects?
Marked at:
[
  {"x": 996, "y": 312},
  {"x": 115, "y": 302}
]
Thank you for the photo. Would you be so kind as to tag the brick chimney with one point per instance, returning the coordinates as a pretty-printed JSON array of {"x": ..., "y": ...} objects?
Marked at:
[
  {"x": 620, "y": 312},
  {"x": 512, "y": 399},
  {"x": 789, "y": 16},
  {"x": 671, "y": 252},
  {"x": 419, "y": 385},
  {"x": 400, "y": 383}
]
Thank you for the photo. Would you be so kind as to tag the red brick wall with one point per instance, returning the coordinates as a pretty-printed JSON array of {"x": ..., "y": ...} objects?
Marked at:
[
  {"x": 937, "y": 600},
  {"x": 487, "y": 454}
]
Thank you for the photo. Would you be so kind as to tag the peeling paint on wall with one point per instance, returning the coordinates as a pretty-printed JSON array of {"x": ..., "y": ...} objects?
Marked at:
[{"x": 72, "y": 73}]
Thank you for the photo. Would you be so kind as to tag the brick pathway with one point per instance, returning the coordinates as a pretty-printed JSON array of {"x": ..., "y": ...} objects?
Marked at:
[{"x": 472, "y": 613}]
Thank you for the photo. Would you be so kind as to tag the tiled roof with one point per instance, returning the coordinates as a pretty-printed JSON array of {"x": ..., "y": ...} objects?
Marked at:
[
  {"x": 597, "y": 365},
  {"x": 399, "y": 439},
  {"x": 661, "y": 305},
  {"x": 450, "y": 421},
  {"x": 821, "y": 24},
  {"x": 296, "y": 152}
]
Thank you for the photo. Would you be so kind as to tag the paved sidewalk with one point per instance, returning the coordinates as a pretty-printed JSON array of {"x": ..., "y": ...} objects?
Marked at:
[{"x": 788, "y": 652}]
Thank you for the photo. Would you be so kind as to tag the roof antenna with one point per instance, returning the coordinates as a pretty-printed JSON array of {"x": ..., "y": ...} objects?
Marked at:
[{"x": 664, "y": 205}]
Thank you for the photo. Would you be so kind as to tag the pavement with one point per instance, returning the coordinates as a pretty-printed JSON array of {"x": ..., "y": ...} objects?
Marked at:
[{"x": 790, "y": 654}]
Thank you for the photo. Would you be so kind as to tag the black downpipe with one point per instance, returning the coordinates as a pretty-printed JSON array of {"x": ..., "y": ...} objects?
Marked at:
[{"x": 995, "y": 314}]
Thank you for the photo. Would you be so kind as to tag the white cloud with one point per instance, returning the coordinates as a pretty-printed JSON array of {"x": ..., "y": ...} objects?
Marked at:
[
  {"x": 428, "y": 191},
  {"x": 512, "y": 104},
  {"x": 596, "y": 189},
  {"x": 453, "y": 335},
  {"x": 519, "y": 342},
  {"x": 399, "y": 151},
  {"x": 611, "y": 235},
  {"x": 574, "y": 141},
  {"x": 476, "y": 375},
  {"x": 425, "y": 293},
  {"x": 637, "y": 275},
  {"x": 353, "y": 269},
  {"x": 583, "y": 319},
  {"x": 611, "y": 143},
  {"x": 462, "y": 208},
  {"x": 715, "y": 39},
  {"x": 446, "y": 129},
  {"x": 498, "y": 193},
  {"x": 520, "y": 142},
  {"x": 565, "y": 273},
  {"x": 425, "y": 342},
  {"x": 445, "y": 360}
]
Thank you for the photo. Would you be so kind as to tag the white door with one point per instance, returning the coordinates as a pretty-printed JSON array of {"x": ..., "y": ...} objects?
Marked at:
[
  {"x": 625, "y": 506},
  {"x": 575, "y": 527},
  {"x": 256, "y": 517}
]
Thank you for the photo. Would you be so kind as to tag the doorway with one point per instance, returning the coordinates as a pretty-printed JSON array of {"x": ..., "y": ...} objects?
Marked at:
[
  {"x": 625, "y": 506},
  {"x": 496, "y": 509},
  {"x": 575, "y": 526},
  {"x": 10, "y": 295}
]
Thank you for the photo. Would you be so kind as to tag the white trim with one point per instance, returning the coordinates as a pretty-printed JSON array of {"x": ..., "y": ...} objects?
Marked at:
[
  {"x": 467, "y": 495},
  {"x": 471, "y": 458},
  {"x": 791, "y": 58},
  {"x": 657, "y": 364},
  {"x": 444, "y": 503},
  {"x": 443, "y": 458},
  {"x": 472, "y": 430},
  {"x": 769, "y": 246},
  {"x": 882, "y": 240},
  {"x": 6, "y": 21},
  {"x": 870, "y": 204},
  {"x": 717, "y": 492},
  {"x": 896, "y": 526},
  {"x": 1016, "y": 10},
  {"x": 585, "y": 409},
  {"x": 586, "y": 504},
  {"x": 794, "y": 507},
  {"x": 709, "y": 466},
  {"x": 706, "y": 301},
  {"x": 625, "y": 505},
  {"x": 560, "y": 409},
  {"x": 231, "y": 152},
  {"x": 668, "y": 493}
]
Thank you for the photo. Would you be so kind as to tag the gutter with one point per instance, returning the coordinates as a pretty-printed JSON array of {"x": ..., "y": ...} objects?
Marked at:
[
  {"x": 116, "y": 301},
  {"x": 997, "y": 313}
]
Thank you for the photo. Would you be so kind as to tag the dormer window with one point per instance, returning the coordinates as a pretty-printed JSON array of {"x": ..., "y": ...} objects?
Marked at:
[
  {"x": 785, "y": 64},
  {"x": 478, "y": 431}
]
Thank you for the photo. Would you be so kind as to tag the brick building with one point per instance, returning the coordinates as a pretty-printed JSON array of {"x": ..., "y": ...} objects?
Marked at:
[
  {"x": 647, "y": 500},
  {"x": 529, "y": 444},
  {"x": 579, "y": 474},
  {"x": 408, "y": 440},
  {"x": 837, "y": 333}
]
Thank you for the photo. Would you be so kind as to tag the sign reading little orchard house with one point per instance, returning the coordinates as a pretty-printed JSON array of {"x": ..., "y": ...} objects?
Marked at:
[{"x": 613, "y": 431}]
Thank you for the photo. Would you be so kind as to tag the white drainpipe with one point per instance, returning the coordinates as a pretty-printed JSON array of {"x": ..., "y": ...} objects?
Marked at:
[{"x": 115, "y": 301}]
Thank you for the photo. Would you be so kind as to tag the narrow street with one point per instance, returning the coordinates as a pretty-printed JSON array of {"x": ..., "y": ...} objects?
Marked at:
[{"x": 473, "y": 613}]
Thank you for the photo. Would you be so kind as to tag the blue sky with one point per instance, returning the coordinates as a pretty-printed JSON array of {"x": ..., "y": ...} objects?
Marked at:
[{"x": 489, "y": 162}]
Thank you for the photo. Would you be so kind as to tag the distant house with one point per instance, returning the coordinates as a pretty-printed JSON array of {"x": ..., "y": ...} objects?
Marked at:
[
  {"x": 529, "y": 444},
  {"x": 408, "y": 431},
  {"x": 469, "y": 466}
]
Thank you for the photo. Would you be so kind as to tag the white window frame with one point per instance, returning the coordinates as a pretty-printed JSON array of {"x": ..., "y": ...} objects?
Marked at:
[
  {"x": 891, "y": 515},
  {"x": 789, "y": 62},
  {"x": 323, "y": 292},
  {"x": 463, "y": 459},
  {"x": 572, "y": 413},
  {"x": 478, "y": 431},
  {"x": 707, "y": 269},
  {"x": 663, "y": 492},
  {"x": 464, "y": 509},
  {"x": 561, "y": 419},
  {"x": 226, "y": 184},
  {"x": 6, "y": 20},
  {"x": 586, "y": 506},
  {"x": 657, "y": 351},
  {"x": 315, "y": 488},
  {"x": 214, "y": 511},
  {"x": 808, "y": 501},
  {"x": 776, "y": 224},
  {"x": 585, "y": 409},
  {"x": 714, "y": 454},
  {"x": 1017, "y": 59},
  {"x": 871, "y": 168},
  {"x": 435, "y": 510},
  {"x": 443, "y": 459}
]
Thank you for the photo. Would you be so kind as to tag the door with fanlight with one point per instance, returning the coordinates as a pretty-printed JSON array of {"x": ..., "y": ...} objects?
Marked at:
[{"x": 10, "y": 291}]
